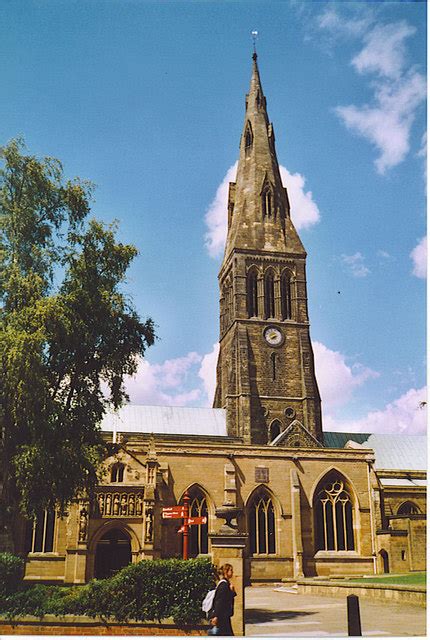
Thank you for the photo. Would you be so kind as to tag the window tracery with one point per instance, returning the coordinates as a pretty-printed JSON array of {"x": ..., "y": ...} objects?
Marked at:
[
  {"x": 40, "y": 533},
  {"x": 117, "y": 472},
  {"x": 261, "y": 524},
  {"x": 334, "y": 517},
  {"x": 198, "y": 534},
  {"x": 408, "y": 508}
]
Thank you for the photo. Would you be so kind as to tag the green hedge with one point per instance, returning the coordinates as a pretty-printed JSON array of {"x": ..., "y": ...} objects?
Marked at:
[
  {"x": 11, "y": 573},
  {"x": 146, "y": 591}
]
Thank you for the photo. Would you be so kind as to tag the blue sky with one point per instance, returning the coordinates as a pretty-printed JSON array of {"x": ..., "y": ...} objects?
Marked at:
[{"x": 147, "y": 100}]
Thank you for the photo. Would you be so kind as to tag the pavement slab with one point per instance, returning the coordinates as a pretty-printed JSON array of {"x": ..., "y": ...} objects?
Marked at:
[{"x": 277, "y": 610}]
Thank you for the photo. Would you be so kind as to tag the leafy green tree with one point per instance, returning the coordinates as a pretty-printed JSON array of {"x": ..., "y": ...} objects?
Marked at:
[{"x": 69, "y": 334}]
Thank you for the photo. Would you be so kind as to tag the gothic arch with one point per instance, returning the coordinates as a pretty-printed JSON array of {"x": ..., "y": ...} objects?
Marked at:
[
  {"x": 117, "y": 470},
  {"x": 199, "y": 505},
  {"x": 108, "y": 526},
  {"x": 267, "y": 199},
  {"x": 336, "y": 516},
  {"x": 194, "y": 487},
  {"x": 334, "y": 470},
  {"x": 264, "y": 487},
  {"x": 93, "y": 564},
  {"x": 249, "y": 136},
  {"x": 408, "y": 508},
  {"x": 262, "y": 514},
  {"x": 252, "y": 301},
  {"x": 275, "y": 429},
  {"x": 269, "y": 293},
  {"x": 286, "y": 287}
]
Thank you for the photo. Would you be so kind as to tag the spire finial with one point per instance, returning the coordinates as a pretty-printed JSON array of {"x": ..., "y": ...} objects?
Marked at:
[{"x": 254, "y": 35}]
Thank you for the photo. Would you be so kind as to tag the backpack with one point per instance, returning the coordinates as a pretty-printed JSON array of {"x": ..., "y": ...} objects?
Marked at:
[{"x": 208, "y": 601}]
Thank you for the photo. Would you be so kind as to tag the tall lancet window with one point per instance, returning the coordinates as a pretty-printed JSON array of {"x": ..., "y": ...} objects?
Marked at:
[
  {"x": 249, "y": 137},
  {"x": 269, "y": 295},
  {"x": 286, "y": 296},
  {"x": 267, "y": 202},
  {"x": 275, "y": 430},
  {"x": 252, "y": 294},
  {"x": 261, "y": 524}
]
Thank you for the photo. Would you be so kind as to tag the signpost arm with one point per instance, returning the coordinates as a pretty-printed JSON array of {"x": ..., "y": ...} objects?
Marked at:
[{"x": 185, "y": 538}]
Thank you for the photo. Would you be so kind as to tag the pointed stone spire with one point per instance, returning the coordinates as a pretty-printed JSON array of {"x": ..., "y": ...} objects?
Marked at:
[{"x": 259, "y": 209}]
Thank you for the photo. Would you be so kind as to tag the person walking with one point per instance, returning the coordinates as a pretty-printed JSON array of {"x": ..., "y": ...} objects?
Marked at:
[{"x": 223, "y": 604}]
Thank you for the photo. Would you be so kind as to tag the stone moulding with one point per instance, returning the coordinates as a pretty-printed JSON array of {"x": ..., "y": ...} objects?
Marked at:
[
  {"x": 85, "y": 626},
  {"x": 394, "y": 593}
]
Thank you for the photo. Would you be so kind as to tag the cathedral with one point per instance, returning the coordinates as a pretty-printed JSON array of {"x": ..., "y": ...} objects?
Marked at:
[{"x": 306, "y": 502}]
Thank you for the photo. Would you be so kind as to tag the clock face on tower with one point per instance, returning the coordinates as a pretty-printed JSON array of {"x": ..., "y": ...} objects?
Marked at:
[{"x": 273, "y": 336}]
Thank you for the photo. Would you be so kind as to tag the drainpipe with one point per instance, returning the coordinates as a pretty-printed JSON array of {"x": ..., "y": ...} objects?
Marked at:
[{"x": 372, "y": 520}]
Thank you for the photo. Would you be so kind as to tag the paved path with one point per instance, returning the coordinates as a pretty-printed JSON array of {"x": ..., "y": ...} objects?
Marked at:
[{"x": 278, "y": 610}]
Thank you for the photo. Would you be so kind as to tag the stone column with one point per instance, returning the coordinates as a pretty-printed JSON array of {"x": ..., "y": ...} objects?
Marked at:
[
  {"x": 75, "y": 569},
  {"x": 260, "y": 295},
  {"x": 277, "y": 295},
  {"x": 296, "y": 526},
  {"x": 228, "y": 546}
]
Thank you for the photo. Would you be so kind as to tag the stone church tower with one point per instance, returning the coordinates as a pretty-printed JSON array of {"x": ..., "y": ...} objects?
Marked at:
[{"x": 265, "y": 373}]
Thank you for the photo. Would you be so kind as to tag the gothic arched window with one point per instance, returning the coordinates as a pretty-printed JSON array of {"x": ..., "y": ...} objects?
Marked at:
[
  {"x": 198, "y": 534},
  {"x": 117, "y": 473},
  {"x": 275, "y": 429},
  {"x": 40, "y": 533},
  {"x": 273, "y": 365},
  {"x": 286, "y": 310},
  {"x": 261, "y": 524},
  {"x": 248, "y": 136},
  {"x": 408, "y": 509},
  {"x": 252, "y": 294},
  {"x": 334, "y": 516},
  {"x": 269, "y": 295}
]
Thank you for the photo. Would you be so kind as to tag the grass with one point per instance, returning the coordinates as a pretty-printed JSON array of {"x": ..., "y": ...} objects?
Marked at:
[{"x": 417, "y": 578}]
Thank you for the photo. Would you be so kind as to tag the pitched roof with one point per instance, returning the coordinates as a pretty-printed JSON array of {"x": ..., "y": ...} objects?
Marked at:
[
  {"x": 392, "y": 451},
  {"x": 167, "y": 420}
]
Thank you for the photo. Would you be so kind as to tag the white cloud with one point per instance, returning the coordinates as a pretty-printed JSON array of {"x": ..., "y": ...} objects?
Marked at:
[
  {"x": 398, "y": 88},
  {"x": 419, "y": 258},
  {"x": 167, "y": 383},
  {"x": 187, "y": 380},
  {"x": 336, "y": 379},
  {"x": 304, "y": 210},
  {"x": 216, "y": 216},
  {"x": 340, "y": 26},
  {"x": 207, "y": 373},
  {"x": 355, "y": 264},
  {"x": 381, "y": 253},
  {"x": 422, "y": 153},
  {"x": 385, "y": 51},
  {"x": 407, "y": 415},
  {"x": 387, "y": 125}
]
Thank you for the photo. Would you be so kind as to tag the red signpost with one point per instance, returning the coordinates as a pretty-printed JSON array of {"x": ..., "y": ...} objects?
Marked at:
[{"x": 181, "y": 511}]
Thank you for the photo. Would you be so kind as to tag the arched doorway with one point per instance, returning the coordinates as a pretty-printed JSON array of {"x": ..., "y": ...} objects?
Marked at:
[
  {"x": 385, "y": 561},
  {"x": 113, "y": 552}
]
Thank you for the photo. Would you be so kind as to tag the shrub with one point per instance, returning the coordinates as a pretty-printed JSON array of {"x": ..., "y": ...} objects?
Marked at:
[
  {"x": 153, "y": 590},
  {"x": 11, "y": 573},
  {"x": 146, "y": 591}
]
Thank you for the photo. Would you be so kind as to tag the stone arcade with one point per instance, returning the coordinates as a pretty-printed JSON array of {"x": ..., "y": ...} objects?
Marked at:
[{"x": 308, "y": 502}]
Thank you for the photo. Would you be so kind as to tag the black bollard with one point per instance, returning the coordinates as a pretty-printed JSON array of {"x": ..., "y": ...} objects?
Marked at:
[{"x": 354, "y": 623}]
